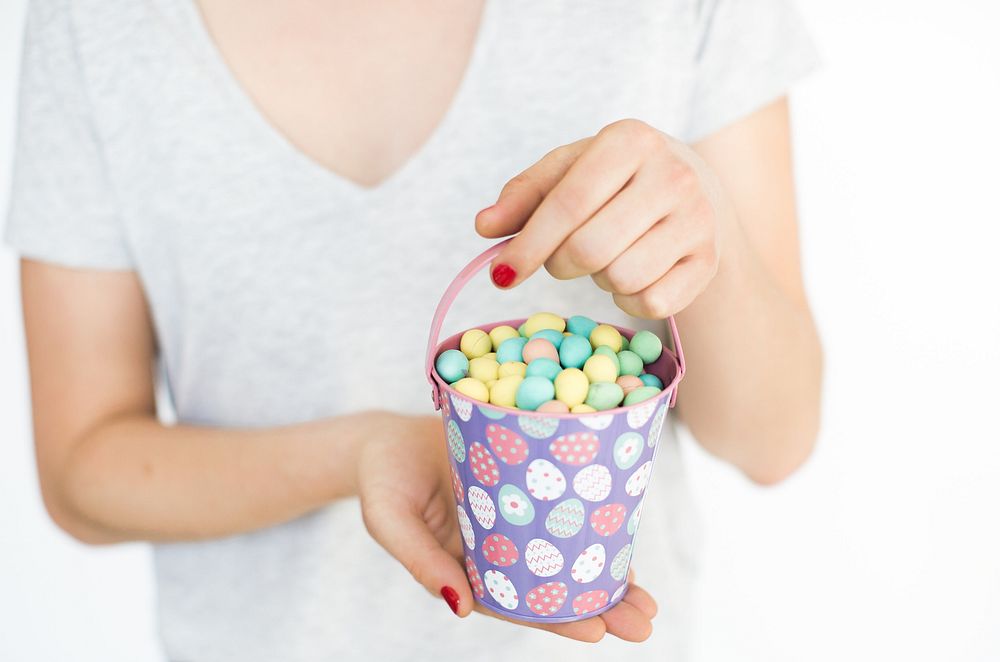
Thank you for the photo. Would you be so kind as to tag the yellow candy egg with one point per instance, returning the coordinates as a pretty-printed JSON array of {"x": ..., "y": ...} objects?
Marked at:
[
  {"x": 571, "y": 386},
  {"x": 582, "y": 409},
  {"x": 475, "y": 343},
  {"x": 490, "y": 355},
  {"x": 500, "y": 333},
  {"x": 598, "y": 368},
  {"x": 484, "y": 369},
  {"x": 512, "y": 368},
  {"x": 540, "y": 321},
  {"x": 504, "y": 391},
  {"x": 472, "y": 388},
  {"x": 490, "y": 383},
  {"x": 605, "y": 334}
]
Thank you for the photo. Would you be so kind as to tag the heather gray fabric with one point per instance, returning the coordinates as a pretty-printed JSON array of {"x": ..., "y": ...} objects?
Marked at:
[{"x": 280, "y": 291}]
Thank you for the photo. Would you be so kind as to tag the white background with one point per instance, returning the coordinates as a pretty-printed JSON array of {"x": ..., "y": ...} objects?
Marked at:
[{"x": 886, "y": 546}]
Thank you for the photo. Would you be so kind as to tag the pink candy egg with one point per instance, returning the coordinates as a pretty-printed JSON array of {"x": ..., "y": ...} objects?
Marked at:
[
  {"x": 553, "y": 407},
  {"x": 539, "y": 348},
  {"x": 629, "y": 383}
]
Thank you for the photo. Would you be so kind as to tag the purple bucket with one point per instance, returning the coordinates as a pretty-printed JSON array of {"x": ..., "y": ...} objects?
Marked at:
[{"x": 548, "y": 504}]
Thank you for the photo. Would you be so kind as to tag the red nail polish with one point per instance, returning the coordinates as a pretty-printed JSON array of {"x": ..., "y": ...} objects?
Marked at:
[
  {"x": 450, "y": 596},
  {"x": 503, "y": 275}
]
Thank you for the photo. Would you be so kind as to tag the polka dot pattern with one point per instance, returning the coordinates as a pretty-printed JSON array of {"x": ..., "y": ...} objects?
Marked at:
[
  {"x": 547, "y": 599},
  {"x": 482, "y": 464},
  {"x": 575, "y": 449},
  {"x": 590, "y": 601},
  {"x": 500, "y": 550},
  {"x": 507, "y": 445}
]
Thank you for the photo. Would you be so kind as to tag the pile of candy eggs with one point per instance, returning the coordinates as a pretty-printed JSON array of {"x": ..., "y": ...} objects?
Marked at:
[{"x": 554, "y": 365}]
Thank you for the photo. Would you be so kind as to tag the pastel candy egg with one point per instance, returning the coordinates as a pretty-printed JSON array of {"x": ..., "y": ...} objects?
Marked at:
[
  {"x": 547, "y": 599},
  {"x": 452, "y": 365},
  {"x": 484, "y": 369},
  {"x": 625, "y": 342},
  {"x": 500, "y": 333},
  {"x": 501, "y": 589},
  {"x": 520, "y": 331},
  {"x": 490, "y": 355},
  {"x": 456, "y": 443},
  {"x": 593, "y": 483},
  {"x": 543, "y": 367},
  {"x": 628, "y": 449},
  {"x": 651, "y": 380},
  {"x": 540, "y": 321},
  {"x": 575, "y": 449},
  {"x": 539, "y": 427},
  {"x": 580, "y": 325},
  {"x": 482, "y": 507},
  {"x": 566, "y": 519},
  {"x": 604, "y": 395},
  {"x": 571, "y": 386},
  {"x": 551, "y": 335},
  {"x": 554, "y": 407},
  {"x": 472, "y": 388},
  {"x": 607, "y": 351},
  {"x": 636, "y": 483},
  {"x": 504, "y": 391},
  {"x": 512, "y": 368},
  {"x": 590, "y": 601},
  {"x": 605, "y": 334},
  {"x": 582, "y": 409},
  {"x": 507, "y": 444},
  {"x": 606, "y": 520},
  {"x": 542, "y": 557},
  {"x": 533, "y": 391},
  {"x": 600, "y": 368},
  {"x": 640, "y": 394},
  {"x": 489, "y": 384},
  {"x": 472, "y": 572},
  {"x": 510, "y": 350},
  {"x": 630, "y": 362},
  {"x": 628, "y": 383},
  {"x": 589, "y": 565},
  {"x": 465, "y": 525},
  {"x": 539, "y": 348},
  {"x": 647, "y": 345},
  {"x": 483, "y": 466},
  {"x": 619, "y": 564},
  {"x": 545, "y": 481},
  {"x": 574, "y": 351},
  {"x": 475, "y": 343},
  {"x": 515, "y": 507},
  {"x": 500, "y": 550}
]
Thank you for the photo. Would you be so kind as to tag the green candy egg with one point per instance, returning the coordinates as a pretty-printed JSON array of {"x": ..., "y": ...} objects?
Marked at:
[
  {"x": 610, "y": 353},
  {"x": 625, "y": 342},
  {"x": 647, "y": 345},
  {"x": 630, "y": 362},
  {"x": 533, "y": 391},
  {"x": 604, "y": 395},
  {"x": 543, "y": 367},
  {"x": 574, "y": 351},
  {"x": 520, "y": 330},
  {"x": 452, "y": 365},
  {"x": 640, "y": 394},
  {"x": 651, "y": 380}
]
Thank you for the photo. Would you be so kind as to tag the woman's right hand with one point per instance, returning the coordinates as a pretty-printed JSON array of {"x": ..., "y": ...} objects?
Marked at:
[{"x": 408, "y": 505}]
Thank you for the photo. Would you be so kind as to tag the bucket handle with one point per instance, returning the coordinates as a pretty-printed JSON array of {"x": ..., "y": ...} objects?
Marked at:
[{"x": 459, "y": 283}]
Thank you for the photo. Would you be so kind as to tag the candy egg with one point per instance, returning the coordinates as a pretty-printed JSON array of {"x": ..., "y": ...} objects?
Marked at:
[
  {"x": 551, "y": 335},
  {"x": 489, "y": 384},
  {"x": 598, "y": 368},
  {"x": 605, "y": 395},
  {"x": 484, "y": 369},
  {"x": 647, "y": 345},
  {"x": 605, "y": 334},
  {"x": 582, "y": 409},
  {"x": 504, "y": 391},
  {"x": 630, "y": 362},
  {"x": 500, "y": 333},
  {"x": 510, "y": 350},
  {"x": 651, "y": 380},
  {"x": 543, "y": 367},
  {"x": 574, "y": 351},
  {"x": 533, "y": 391},
  {"x": 489, "y": 355},
  {"x": 542, "y": 557},
  {"x": 580, "y": 325},
  {"x": 554, "y": 407},
  {"x": 472, "y": 388},
  {"x": 511, "y": 368},
  {"x": 520, "y": 331},
  {"x": 540, "y": 321},
  {"x": 640, "y": 394},
  {"x": 539, "y": 348},
  {"x": 628, "y": 383},
  {"x": 625, "y": 342},
  {"x": 589, "y": 564},
  {"x": 571, "y": 386},
  {"x": 452, "y": 365},
  {"x": 607, "y": 351},
  {"x": 475, "y": 343},
  {"x": 544, "y": 480}
]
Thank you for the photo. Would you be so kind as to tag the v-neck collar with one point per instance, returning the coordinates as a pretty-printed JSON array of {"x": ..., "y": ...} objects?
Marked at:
[{"x": 207, "y": 50}]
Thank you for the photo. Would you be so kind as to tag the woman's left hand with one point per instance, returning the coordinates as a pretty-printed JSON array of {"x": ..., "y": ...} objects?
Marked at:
[{"x": 633, "y": 208}]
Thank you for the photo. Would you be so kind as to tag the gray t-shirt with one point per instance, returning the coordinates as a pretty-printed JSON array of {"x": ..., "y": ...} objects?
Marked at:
[{"x": 281, "y": 292}]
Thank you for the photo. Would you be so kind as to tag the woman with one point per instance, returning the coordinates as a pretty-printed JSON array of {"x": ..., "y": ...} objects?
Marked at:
[{"x": 267, "y": 200}]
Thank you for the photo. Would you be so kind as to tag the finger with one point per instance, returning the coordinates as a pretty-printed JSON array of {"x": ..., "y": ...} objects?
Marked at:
[
  {"x": 640, "y": 598},
  {"x": 671, "y": 293},
  {"x": 597, "y": 175},
  {"x": 522, "y": 194},
  {"x": 590, "y": 630},
  {"x": 405, "y": 535},
  {"x": 627, "y": 622}
]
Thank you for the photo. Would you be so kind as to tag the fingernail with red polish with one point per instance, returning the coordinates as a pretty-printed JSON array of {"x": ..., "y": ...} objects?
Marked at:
[
  {"x": 450, "y": 596},
  {"x": 503, "y": 275}
]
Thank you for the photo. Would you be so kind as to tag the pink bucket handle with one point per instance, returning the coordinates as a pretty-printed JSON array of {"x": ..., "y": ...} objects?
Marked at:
[{"x": 457, "y": 285}]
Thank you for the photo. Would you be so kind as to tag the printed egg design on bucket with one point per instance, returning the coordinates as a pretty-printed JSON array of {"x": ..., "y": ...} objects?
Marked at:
[
  {"x": 633, "y": 521},
  {"x": 636, "y": 483},
  {"x": 575, "y": 449},
  {"x": 589, "y": 601},
  {"x": 627, "y": 450},
  {"x": 545, "y": 481},
  {"x": 456, "y": 443},
  {"x": 565, "y": 519},
  {"x": 543, "y": 558},
  {"x": 515, "y": 506},
  {"x": 589, "y": 564},
  {"x": 618, "y": 593},
  {"x": 547, "y": 599},
  {"x": 538, "y": 427},
  {"x": 593, "y": 483},
  {"x": 462, "y": 408},
  {"x": 637, "y": 417},
  {"x": 482, "y": 507},
  {"x": 465, "y": 525},
  {"x": 501, "y": 589},
  {"x": 597, "y": 422},
  {"x": 607, "y": 519},
  {"x": 483, "y": 466},
  {"x": 472, "y": 572},
  {"x": 500, "y": 550},
  {"x": 619, "y": 564},
  {"x": 507, "y": 445},
  {"x": 656, "y": 427},
  {"x": 456, "y": 485}
]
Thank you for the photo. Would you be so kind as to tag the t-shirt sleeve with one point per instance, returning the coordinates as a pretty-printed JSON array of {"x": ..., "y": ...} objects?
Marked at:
[
  {"x": 62, "y": 206},
  {"x": 749, "y": 54}
]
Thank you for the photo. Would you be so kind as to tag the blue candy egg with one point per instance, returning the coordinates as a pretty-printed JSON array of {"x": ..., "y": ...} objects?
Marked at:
[
  {"x": 580, "y": 325},
  {"x": 651, "y": 380},
  {"x": 543, "y": 367},
  {"x": 452, "y": 365},
  {"x": 510, "y": 350},
  {"x": 551, "y": 335},
  {"x": 575, "y": 351},
  {"x": 533, "y": 391}
]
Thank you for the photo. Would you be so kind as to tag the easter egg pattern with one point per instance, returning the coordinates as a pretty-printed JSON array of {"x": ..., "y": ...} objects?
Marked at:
[
  {"x": 619, "y": 564},
  {"x": 472, "y": 572},
  {"x": 589, "y": 564},
  {"x": 566, "y": 519},
  {"x": 538, "y": 427},
  {"x": 636, "y": 483},
  {"x": 456, "y": 485},
  {"x": 500, "y": 550},
  {"x": 501, "y": 589},
  {"x": 589, "y": 601},
  {"x": 542, "y": 557},
  {"x": 465, "y": 524},
  {"x": 628, "y": 448},
  {"x": 483, "y": 466},
  {"x": 507, "y": 445},
  {"x": 462, "y": 407},
  {"x": 482, "y": 507},
  {"x": 548, "y": 598},
  {"x": 456, "y": 444},
  {"x": 515, "y": 507},
  {"x": 637, "y": 417},
  {"x": 618, "y": 593},
  {"x": 633, "y": 521},
  {"x": 606, "y": 520},
  {"x": 657, "y": 425},
  {"x": 593, "y": 483},
  {"x": 545, "y": 481},
  {"x": 577, "y": 448},
  {"x": 599, "y": 422}
]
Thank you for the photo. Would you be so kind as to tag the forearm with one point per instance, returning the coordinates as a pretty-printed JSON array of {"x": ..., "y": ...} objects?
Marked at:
[
  {"x": 752, "y": 391},
  {"x": 133, "y": 478}
]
